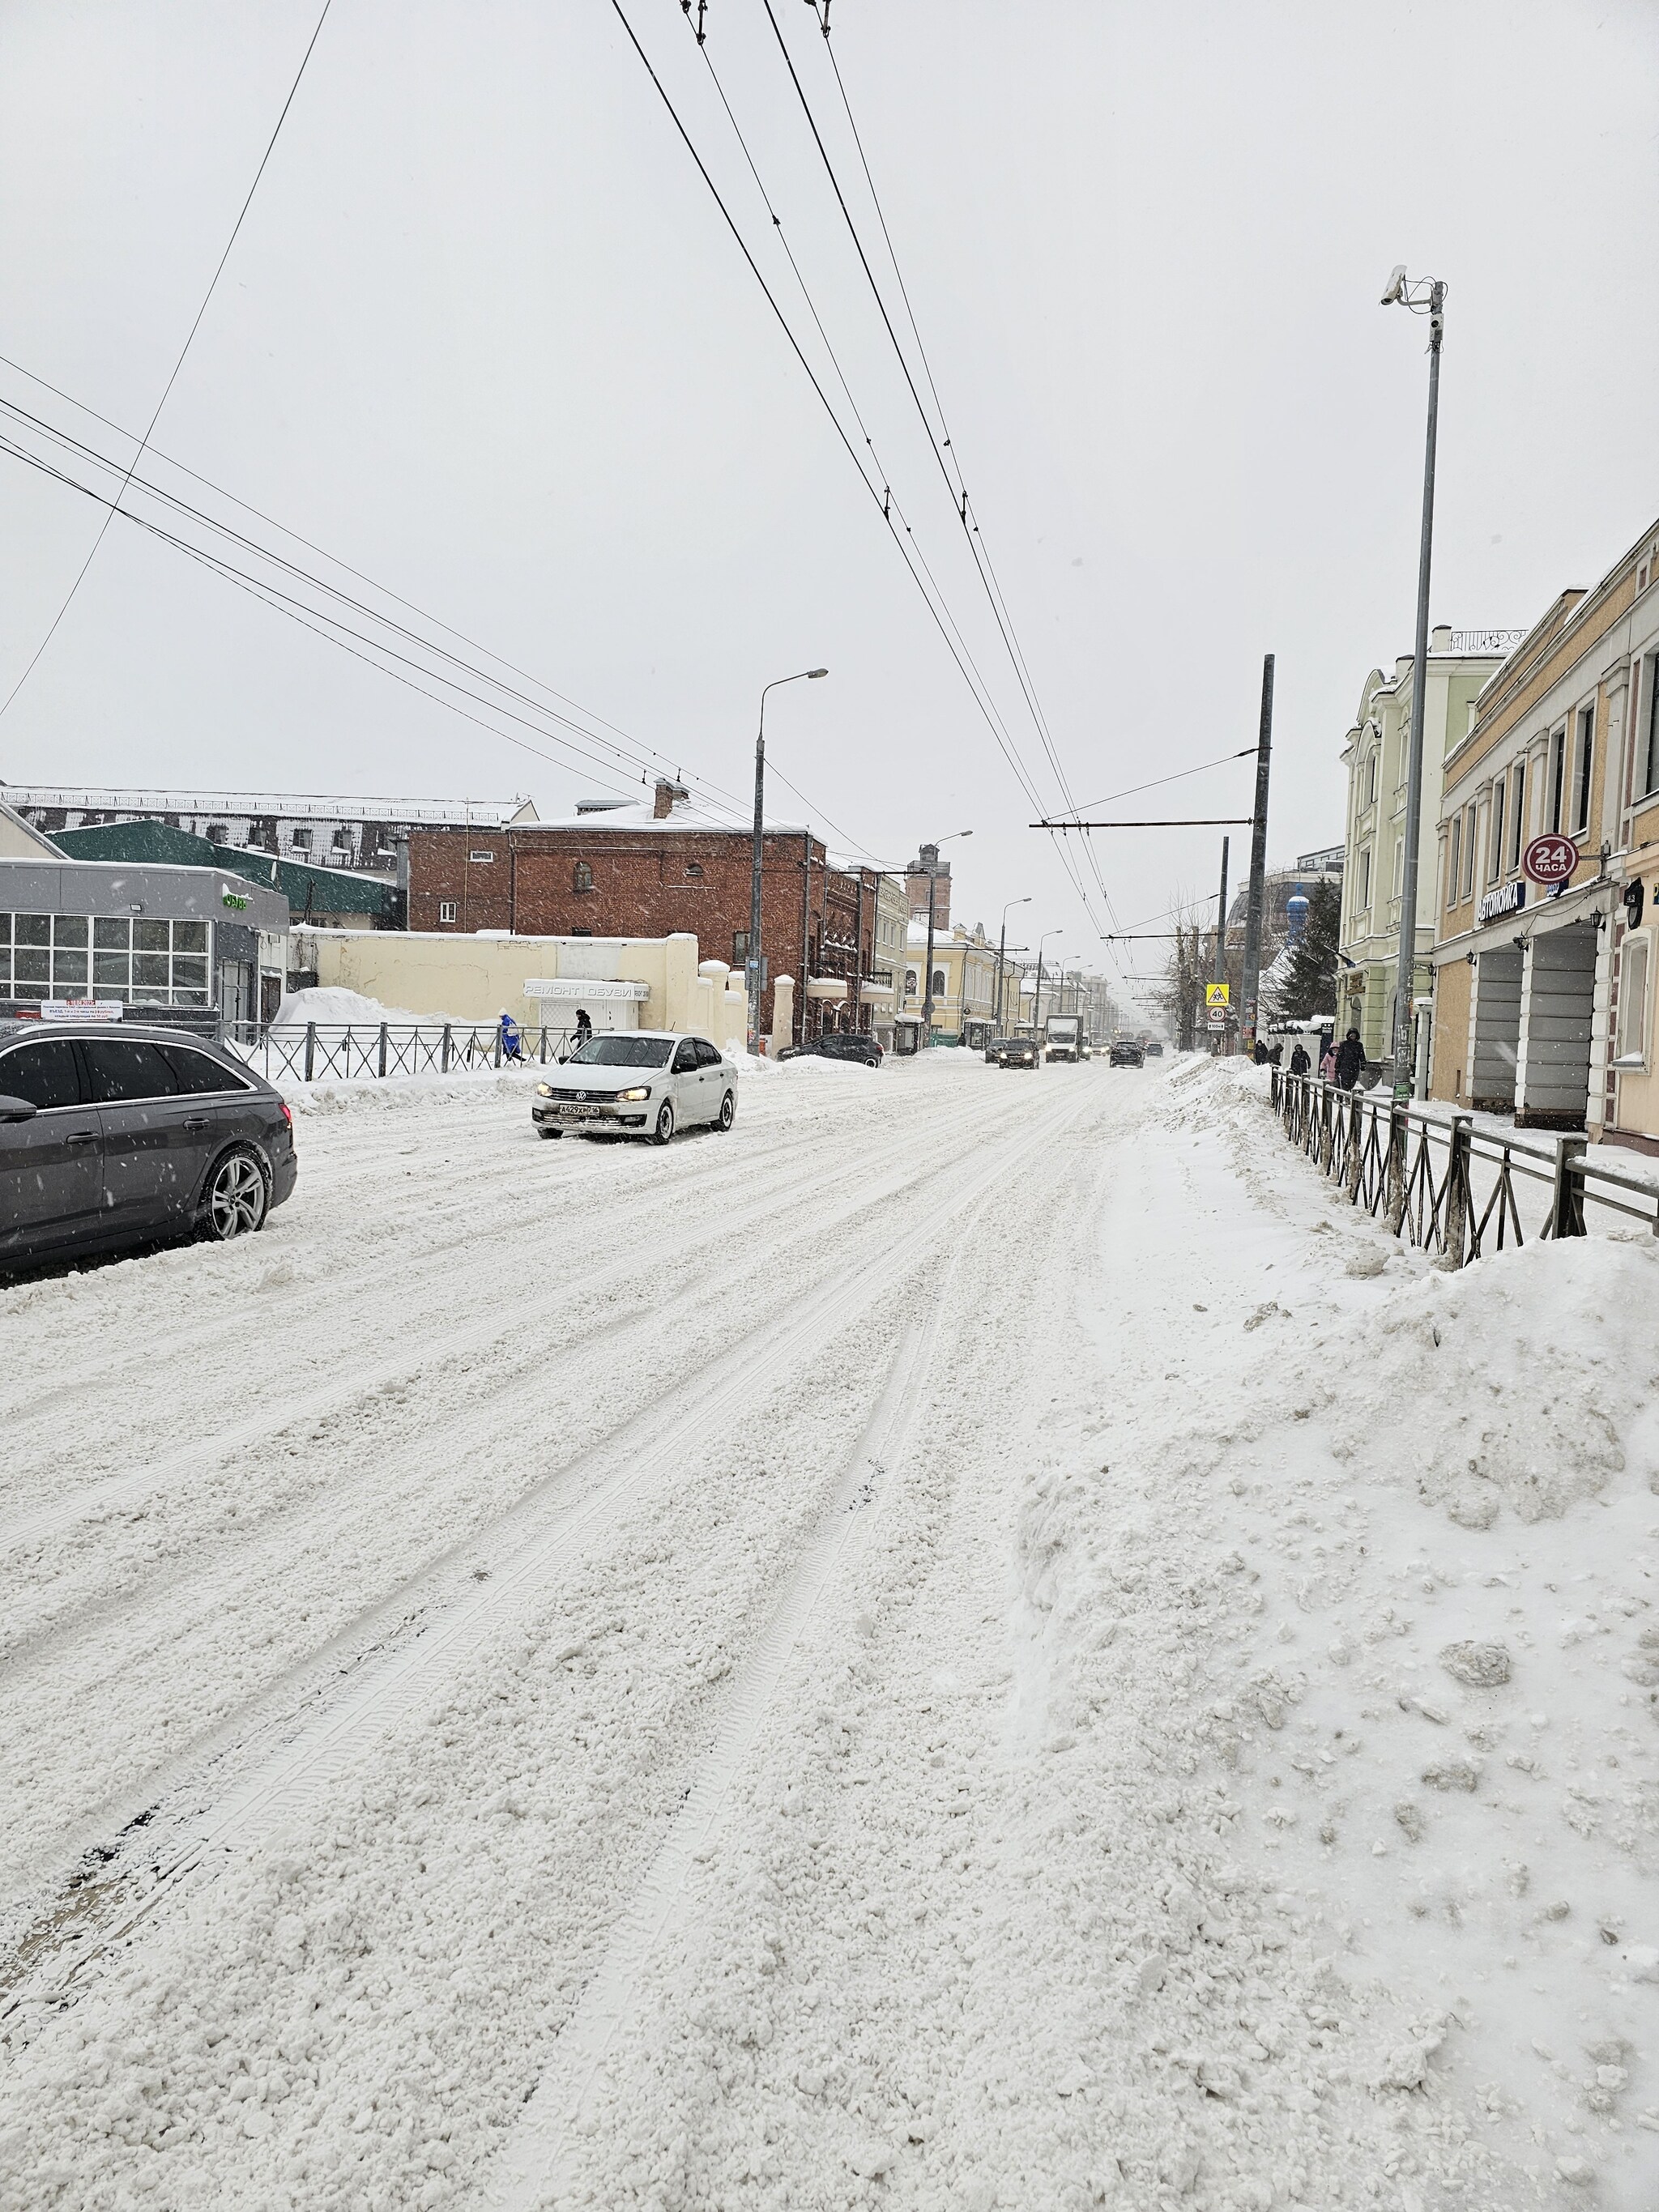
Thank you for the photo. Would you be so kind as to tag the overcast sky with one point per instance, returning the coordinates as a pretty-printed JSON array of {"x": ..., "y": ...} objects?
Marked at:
[{"x": 484, "y": 336}]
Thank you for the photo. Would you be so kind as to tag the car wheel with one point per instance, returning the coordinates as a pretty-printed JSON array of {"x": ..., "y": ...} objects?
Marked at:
[
  {"x": 237, "y": 1198},
  {"x": 728, "y": 1113},
  {"x": 549, "y": 1133},
  {"x": 664, "y": 1129}
]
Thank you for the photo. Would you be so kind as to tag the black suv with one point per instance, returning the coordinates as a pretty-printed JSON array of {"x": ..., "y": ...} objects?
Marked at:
[
  {"x": 838, "y": 1044},
  {"x": 1126, "y": 1053},
  {"x": 121, "y": 1135},
  {"x": 1014, "y": 1052}
]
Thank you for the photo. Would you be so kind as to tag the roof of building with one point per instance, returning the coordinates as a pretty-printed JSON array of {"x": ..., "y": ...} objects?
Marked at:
[
  {"x": 325, "y": 807},
  {"x": 307, "y": 888}
]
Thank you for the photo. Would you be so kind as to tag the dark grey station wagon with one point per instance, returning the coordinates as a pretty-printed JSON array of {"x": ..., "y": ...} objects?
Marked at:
[{"x": 122, "y": 1135}]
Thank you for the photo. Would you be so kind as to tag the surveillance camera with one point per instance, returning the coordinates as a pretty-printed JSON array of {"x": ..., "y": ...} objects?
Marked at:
[{"x": 1396, "y": 290}]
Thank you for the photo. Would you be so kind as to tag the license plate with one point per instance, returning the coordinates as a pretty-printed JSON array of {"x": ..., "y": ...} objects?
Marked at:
[{"x": 579, "y": 1113}]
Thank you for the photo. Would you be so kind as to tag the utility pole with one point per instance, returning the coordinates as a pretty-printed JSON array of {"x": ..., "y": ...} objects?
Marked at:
[
  {"x": 1400, "y": 294},
  {"x": 1220, "y": 975},
  {"x": 1002, "y": 948},
  {"x": 752, "y": 958},
  {"x": 1251, "y": 983}
]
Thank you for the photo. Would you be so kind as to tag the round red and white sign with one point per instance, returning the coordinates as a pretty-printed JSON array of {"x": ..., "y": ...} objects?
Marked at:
[{"x": 1550, "y": 858}]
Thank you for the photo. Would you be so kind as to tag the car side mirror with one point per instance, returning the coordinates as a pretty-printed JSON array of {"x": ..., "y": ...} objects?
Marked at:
[{"x": 16, "y": 1109}]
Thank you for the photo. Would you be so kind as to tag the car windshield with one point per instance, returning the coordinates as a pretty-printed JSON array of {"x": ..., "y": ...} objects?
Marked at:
[
  {"x": 620, "y": 1050},
  {"x": 1011, "y": 1044}
]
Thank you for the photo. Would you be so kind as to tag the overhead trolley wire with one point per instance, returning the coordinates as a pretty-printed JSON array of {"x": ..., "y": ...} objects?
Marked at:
[{"x": 189, "y": 341}]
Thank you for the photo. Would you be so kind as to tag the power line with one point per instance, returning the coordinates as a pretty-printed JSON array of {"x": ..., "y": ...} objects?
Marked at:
[
  {"x": 1246, "y": 752},
  {"x": 178, "y": 365}
]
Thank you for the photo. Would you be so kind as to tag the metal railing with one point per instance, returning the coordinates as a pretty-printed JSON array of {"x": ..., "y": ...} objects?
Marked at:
[
  {"x": 329, "y": 1052},
  {"x": 1438, "y": 1182}
]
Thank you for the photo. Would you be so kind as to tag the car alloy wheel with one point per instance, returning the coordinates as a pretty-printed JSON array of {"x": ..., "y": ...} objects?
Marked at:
[
  {"x": 664, "y": 1129},
  {"x": 728, "y": 1112},
  {"x": 238, "y": 1198}
]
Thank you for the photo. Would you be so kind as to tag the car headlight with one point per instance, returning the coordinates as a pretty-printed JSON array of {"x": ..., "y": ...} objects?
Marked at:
[
  {"x": 543, "y": 1091},
  {"x": 640, "y": 1090}
]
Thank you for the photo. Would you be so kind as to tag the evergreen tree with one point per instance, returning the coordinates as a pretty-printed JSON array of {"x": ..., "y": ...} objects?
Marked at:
[{"x": 1310, "y": 987}]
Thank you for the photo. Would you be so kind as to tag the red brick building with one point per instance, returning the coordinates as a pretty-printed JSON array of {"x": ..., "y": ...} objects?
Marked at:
[{"x": 640, "y": 871}]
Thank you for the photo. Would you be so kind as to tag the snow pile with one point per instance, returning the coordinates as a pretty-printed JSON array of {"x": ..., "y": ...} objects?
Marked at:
[{"x": 331, "y": 1005}]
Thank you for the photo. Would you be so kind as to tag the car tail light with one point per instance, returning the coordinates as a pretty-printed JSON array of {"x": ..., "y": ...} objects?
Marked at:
[{"x": 287, "y": 1112}]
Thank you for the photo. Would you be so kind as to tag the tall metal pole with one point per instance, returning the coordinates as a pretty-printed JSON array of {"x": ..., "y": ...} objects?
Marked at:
[
  {"x": 1220, "y": 964},
  {"x": 1251, "y": 983},
  {"x": 1406, "y": 969},
  {"x": 1002, "y": 947},
  {"x": 752, "y": 963},
  {"x": 927, "y": 980}
]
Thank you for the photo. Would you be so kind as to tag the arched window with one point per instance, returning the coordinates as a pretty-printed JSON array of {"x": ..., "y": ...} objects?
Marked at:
[
  {"x": 911, "y": 980},
  {"x": 1371, "y": 776},
  {"x": 939, "y": 982},
  {"x": 694, "y": 870},
  {"x": 582, "y": 877}
]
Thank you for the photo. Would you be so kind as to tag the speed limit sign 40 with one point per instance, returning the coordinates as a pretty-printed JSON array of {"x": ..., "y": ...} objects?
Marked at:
[{"x": 1551, "y": 859}]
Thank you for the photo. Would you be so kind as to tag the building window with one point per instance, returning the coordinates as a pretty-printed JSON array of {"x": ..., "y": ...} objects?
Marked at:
[
  {"x": 694, "y": 871},
  {"x": 70, "y": 956},
  {"x": 299, "y": 840},
  {"x": 939, "y": 982},
  {"x": 1650, "y": 749},
  {"x": 1454, "y": 859},
  {"x": 1518, "y": 814},
  {"x": 582, "y": 877},
  {"x": 446, "y": 910},
  {"x": 1558, "y": 775},
  {"x": 1469, "y": 820},
  {"x": 1633, "y": 977},
  {"x": 1366, "y": 880},
  {"x": 1371, "y": 779},
  {"x": 1583, "y": 761},
  {"x": 1495, "y": 839},
  {"x": 218, "y": 834},
  {"x": 482, "y": 859},
  {"x": 739, "y": 948},
  {"x": 911, "y": 981}
]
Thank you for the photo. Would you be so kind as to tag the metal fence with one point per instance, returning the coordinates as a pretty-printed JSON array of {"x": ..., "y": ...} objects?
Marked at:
[
  {"x": 327, "y": 1052},
  {"x": 1448, "y": 1187}
]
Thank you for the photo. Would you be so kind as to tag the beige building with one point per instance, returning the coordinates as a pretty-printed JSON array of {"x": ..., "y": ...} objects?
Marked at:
[
  {"x": 21, "y": 841},
  {"x": 1377, "y": 753},
  {"x": 619, "y": 982},
  {"x": 1544, "y": 996},
  {"x": 964, "y": 983}
]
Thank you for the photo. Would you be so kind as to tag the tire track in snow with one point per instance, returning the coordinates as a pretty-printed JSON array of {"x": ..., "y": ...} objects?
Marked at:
[
  {"x": 445, "y": 1339},
  {"x": 297, "y": 1775},
  {"x": 525, "y": 2166}
]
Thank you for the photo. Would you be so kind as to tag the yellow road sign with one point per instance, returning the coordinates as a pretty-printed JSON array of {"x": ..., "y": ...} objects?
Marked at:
[{"x": 1218, "y": 994}]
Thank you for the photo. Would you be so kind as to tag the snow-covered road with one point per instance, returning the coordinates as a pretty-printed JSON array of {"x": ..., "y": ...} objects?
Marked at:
[{"x": 899, "y": 1657}]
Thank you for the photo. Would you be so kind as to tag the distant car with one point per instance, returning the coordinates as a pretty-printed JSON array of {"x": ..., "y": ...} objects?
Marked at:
[
  {"x": 114, "y": 1136},
  {"x": 856, "y": 1045},
  {"x": 1126, "y": 1053},
  {"x": 638, "y": 1083},
  {"x": 1014, "y": 1052},
  {"x": 1155, "y": 1051}
]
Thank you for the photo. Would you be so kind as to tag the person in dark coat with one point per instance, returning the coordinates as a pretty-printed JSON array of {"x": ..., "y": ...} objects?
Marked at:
[
  {"x": 1350, "y": 1058},
  {"x": 584, "y": 1027},
  {"x": 1300, "y": 1060},
  {"x": 1260, "y": 1055},
  {"x": 1275, "y": 1055}
]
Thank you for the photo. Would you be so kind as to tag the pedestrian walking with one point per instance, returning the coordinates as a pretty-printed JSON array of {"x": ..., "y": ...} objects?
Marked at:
[
  {"x": 511, "y": 1048},
  {"x": 1350, "y": 1058},
  {"x": 1260, "y": 1055},
  {"x": 1276, "y": 1055},
  {"x": 1327, "y": 1063},
  {"x": 1299, "y": 1061},
  {"x": 584, "y": 1027}
]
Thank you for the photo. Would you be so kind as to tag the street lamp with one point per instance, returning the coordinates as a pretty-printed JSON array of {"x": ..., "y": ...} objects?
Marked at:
[
  {"x": 1424, "y": 296},
  {"x": 933, "y": 877},
  {"x": 1037, "y": 1003},
  {"x": 1002, "y": 947},
  {"x": 753, "y": 959}
]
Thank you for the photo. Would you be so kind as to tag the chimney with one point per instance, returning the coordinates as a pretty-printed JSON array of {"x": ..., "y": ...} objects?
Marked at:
[{"x": 668, "y": 797}]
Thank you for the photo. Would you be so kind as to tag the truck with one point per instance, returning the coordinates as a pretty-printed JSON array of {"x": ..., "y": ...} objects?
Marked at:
[{"x": 1062, "y": 1036}]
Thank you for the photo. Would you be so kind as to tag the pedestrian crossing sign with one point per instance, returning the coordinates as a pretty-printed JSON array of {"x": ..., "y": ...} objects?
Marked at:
[{"x": 1218, "y": 994}]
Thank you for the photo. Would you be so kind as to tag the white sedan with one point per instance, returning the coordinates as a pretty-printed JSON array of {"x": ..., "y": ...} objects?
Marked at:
[{"x": 640, "y": 1082}]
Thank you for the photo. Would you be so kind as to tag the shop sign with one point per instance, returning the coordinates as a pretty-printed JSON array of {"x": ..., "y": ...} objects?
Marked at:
[
  {"x": 81, "y": 1010},
  {"x": 1508, "y": 898},
  {"x": 1551, "y": 859}
]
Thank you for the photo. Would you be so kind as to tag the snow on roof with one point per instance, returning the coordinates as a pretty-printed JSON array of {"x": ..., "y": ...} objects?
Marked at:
[
  {"x": 689, "y": 812},
  {"x": 484, "y": 813}
]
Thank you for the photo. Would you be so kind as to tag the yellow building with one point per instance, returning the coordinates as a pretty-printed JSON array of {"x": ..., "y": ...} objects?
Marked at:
[
  {"x": 1544, "y": 994},
  {"x": 964, "y": 984}
]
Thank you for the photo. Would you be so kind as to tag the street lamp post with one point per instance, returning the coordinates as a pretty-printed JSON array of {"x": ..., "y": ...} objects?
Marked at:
[
  {"x": 928, "y": 982},
  {"x": 1037, "y": 1003},
  {"x": 1427, "y": 296},
  {"x": 752, "y": 956},
  {"x": 1002, "y": 948}
]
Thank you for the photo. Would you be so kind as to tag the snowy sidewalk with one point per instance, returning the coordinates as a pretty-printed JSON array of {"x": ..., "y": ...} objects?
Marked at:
[{"x": 1132, "y": 1691}]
